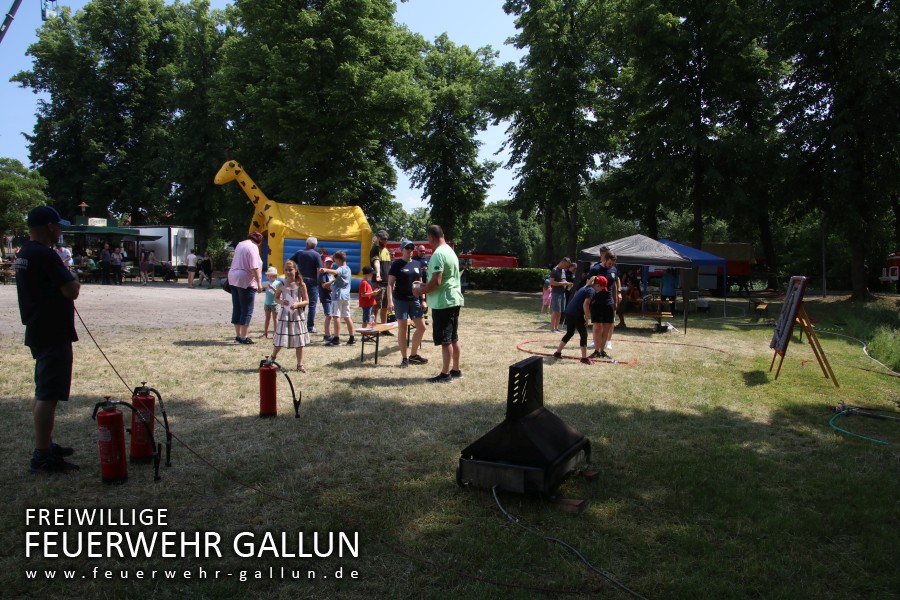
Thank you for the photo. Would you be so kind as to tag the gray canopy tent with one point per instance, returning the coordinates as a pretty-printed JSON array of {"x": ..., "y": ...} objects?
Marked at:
[{"x": 639, "y": 250}]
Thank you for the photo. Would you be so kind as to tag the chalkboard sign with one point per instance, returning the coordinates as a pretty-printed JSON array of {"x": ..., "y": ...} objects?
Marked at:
[{"x": 793, "y": 298}]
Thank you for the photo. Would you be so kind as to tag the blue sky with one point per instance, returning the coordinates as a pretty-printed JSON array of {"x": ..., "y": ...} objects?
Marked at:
[{"x": 474, "y": 23}]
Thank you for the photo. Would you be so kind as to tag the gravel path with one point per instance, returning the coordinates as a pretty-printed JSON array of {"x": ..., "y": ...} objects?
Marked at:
[{"x": 155, "y": 306}]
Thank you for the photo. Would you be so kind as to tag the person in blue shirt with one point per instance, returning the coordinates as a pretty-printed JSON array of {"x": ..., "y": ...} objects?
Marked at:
[
  {"x": 578, "y": 313},
  {"x": 340, "y": 298}
]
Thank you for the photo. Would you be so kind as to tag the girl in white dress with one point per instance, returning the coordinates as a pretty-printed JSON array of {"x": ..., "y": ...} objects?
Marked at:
[{"x": 290, "y": 330}]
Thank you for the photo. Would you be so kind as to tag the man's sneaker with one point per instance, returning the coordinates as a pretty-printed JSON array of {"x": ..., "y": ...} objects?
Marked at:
[
  {"x": 312, "y": 330},
  {"x": 351, "y": 341},
  {"x": 334, "y": 341},
  {"x": 246, "y": 340},
  {"x": 597, "y": 354},
  {"x": 326, "y": 338},
  {"x": 387, "y": 333},
  {"x": 590, "y": 345},
  {"x": 404, "y": 363},
  {"x": 608, "y": 345},
  {"x": 50, "y": 463},
  {"x": 58, "y": 450},
  {"x": 604, "y": 355},
  {"x": 557, "y": 355},
  {"x": 442, "y": 378},
  {"x": 417, "y": 359},
  {"x": 587, "y": 361},
  {"x": 456, "y": 374},
  {"x": 237, "y": 339}
]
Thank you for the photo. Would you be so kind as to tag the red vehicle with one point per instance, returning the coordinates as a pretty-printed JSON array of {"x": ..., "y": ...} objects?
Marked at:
[
  {"x": 890, "y": 273},
  {"x": 482, "y": 259}
]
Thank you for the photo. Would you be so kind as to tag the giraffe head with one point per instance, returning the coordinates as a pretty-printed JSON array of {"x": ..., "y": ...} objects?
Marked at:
[{"x": 227, "y": 173}]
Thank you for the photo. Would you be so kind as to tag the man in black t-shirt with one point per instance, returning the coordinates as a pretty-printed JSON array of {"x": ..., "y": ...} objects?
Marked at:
[{"x": 46, "y": 291}]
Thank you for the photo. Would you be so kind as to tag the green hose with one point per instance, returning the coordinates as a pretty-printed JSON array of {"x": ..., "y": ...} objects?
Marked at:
[{"x": 868, "y": 439}]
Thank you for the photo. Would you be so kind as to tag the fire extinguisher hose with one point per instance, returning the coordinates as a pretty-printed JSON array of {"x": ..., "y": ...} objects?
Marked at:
[
  {"x": 162, "y": 409},
  {"x": 296, "y": 399}
]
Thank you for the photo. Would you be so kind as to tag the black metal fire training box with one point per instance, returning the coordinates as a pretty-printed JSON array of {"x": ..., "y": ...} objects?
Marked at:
[{"x": 532, "y": 450}]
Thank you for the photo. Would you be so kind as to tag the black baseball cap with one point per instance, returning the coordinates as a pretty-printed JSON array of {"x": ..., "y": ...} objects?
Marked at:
[{"x": 44, "y": 215}]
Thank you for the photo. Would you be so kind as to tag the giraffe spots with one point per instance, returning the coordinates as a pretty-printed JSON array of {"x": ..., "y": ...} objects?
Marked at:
[
  {"x": 272, "y": 235},
  {"x": 267, "y": 207},
  {"x": 256, "y": 224},
  {"x": 243, "y": 183}
]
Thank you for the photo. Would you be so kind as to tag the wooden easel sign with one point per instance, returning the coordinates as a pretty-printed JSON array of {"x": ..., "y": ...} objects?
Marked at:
[{"x": 792, "y": 311}]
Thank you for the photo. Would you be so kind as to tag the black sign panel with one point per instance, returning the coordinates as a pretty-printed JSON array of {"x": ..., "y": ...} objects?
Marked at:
[{"x": 785, "y": 325}]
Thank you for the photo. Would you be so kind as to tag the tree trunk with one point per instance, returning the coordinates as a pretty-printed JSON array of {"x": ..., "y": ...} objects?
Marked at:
[
  {"x": 572, "y": 228},
  {"x": 548, "y": 235},
  {"x": 858, "y": 269},
  {"x": 895, "y": 205},
  {"x": 768, "y": 245},
  {"x": 651, "y": 221},
  {"x": 697, "y": 200}
]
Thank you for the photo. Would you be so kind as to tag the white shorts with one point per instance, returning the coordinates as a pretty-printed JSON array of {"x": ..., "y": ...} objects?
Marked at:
[{"x": 340, "y": 308}]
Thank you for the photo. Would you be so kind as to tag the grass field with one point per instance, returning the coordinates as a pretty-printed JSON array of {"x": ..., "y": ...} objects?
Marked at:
[{"x": 716, "y": 481}]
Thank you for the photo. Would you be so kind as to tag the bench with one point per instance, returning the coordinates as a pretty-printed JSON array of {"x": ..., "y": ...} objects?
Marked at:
[
  {"x": 659, "y": 316},
  {"x": 761, "y": 309},
  {"x": 372, "y": 334}
]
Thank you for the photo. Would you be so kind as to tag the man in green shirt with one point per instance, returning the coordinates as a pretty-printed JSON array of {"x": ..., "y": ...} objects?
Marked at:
[{"x": 445, "y": 299}]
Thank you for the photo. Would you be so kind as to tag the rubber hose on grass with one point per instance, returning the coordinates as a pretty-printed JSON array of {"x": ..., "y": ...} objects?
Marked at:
[{"x": 868, "y": 439}]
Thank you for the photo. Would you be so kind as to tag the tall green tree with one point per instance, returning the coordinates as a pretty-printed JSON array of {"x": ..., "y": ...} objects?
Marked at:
[
  {"x": 60, "y": 145},
  {"x": 559, "y": 115},
  {"x": 402, "y": 224},
  {"x": 116, "y": 58},
  {"x": 316, "y": 94},
  {"x": 499, "y": 229},
  {"x": 442, "y": 154},
  {"x": 691, "y": 73},
  {"x": 199, "y": 133},
  {"x": 841, "y": 116},
  {"x": 21, "y": 189}
]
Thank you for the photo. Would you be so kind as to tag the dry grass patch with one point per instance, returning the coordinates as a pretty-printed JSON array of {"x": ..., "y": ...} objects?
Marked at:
[{"x": 709, "y": 468}]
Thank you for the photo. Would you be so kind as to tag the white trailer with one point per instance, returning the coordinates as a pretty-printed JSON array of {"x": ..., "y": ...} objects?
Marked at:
[{"x": 174, "y": 243}]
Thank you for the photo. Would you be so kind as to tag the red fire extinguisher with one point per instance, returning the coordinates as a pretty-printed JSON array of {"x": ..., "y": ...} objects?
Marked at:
[
  {"x": 111, "y": 441},
  {"x": 267, "y": 387},
  {"x": 267, "y": 405},
  {"x": 144, "y": 403}
]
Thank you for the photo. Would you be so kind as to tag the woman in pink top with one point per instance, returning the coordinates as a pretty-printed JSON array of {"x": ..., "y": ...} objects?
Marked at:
[{"x": 245, "y": 279}]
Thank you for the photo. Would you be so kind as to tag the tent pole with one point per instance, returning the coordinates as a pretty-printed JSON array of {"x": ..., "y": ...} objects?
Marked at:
[{"x": 685, "y": 294}]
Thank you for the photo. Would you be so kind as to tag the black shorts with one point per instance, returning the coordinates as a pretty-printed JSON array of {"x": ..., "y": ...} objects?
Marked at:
[
  {"x": 601, "y": 313},
  {"x": 52, "y": 371},
  {"x": 444, "y": 324}
]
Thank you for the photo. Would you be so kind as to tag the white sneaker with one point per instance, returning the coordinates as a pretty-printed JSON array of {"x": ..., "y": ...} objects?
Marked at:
[
  {"x": 590, "y": 344},
  {"x": 608, "y": 345}
]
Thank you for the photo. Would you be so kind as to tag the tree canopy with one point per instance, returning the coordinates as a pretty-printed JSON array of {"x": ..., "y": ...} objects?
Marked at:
[{"x": 768, "y": 120}]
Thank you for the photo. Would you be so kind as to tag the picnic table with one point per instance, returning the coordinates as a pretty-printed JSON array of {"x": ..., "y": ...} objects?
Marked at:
[{"x": 373, "y": 334}]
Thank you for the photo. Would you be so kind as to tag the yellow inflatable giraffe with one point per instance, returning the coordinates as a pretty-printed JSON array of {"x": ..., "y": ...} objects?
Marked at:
[{"x": 232, "y": 171}]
